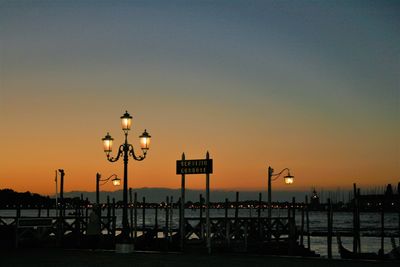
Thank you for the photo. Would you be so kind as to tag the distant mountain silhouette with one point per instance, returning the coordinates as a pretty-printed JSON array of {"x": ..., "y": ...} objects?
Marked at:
[{"x": 159, "y": 194}]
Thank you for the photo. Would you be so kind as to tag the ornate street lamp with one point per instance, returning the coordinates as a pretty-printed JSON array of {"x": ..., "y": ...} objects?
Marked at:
[
  {"x": 289, "y": 179},
  {"x": 126, "y": 150}
]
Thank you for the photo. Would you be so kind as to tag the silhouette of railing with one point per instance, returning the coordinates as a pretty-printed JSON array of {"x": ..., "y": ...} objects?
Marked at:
[
  {"x": 243, "y": 228},
  {"x": 41, "y": 230}
]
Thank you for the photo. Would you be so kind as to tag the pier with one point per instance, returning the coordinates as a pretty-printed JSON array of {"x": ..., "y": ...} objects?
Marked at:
[{"x": 158, "y": 227}]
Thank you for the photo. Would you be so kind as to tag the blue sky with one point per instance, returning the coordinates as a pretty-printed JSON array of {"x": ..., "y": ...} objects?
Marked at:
[{"x": 309, "y": 84}]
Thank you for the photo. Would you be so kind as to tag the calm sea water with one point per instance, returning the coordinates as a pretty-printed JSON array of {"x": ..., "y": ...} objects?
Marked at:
[{"x": 342, "y": 221}]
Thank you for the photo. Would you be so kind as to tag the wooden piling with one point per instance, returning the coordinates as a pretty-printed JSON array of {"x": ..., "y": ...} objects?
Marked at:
[
  {"x": 170, "y": 217},
  {"x": 308, "y": 225},
  {"x": 82, "y": 206},
  {"x": 302, "y": 226},
  {"x": 329, "y": 236},
  {"x": 259, "y": 215},
  {"x": 77, "y": 228},
  {"x": 245, "y": 235},
  {"x": 226, "y": 207},
  {"x": 76, "y": 215},
  {"x": 87, "y": 212},
  {"x": 18, "y": 211},
  {"x": 130, "y": 212},
  {"x": 135, "y": 215},
  {"x": 237, "y": 207},
  {"x": 208, "y": 221},
  {"x": 355, "y": 217},
  {"x": 226, "y": 221},
  {"x": 166, "y": 219},
  {"x": 294, "y": 209},
  {"x": 182, "y": 209},
  {"x": 201, "y": 218},
  {"x": 108, "y": 216},
  {"x": 143, "y": 215},
  {"x": 201, "y": 206},
  {"x": 114, "y": 226},
  {"x": 358, "y": 221},
  {"x": 156, "y": 220},
  {"x": 383, "y": 226}
]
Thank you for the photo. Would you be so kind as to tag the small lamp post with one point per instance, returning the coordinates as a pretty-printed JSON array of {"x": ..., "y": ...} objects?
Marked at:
[
  {"x": 289, "y": 179},
  {"x": 126, "y": 150},
  {"x": 115, "y": 181}
]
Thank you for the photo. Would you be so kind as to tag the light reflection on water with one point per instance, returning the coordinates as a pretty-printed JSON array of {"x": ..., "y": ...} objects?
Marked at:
[{"x": 318, "y": 221}]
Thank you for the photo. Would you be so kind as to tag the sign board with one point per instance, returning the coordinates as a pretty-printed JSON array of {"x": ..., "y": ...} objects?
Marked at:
[{"x": 194, "y": 166}]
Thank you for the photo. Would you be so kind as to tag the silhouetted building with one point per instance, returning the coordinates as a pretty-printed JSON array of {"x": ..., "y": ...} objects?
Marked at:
[
  {"x": 374, "y": 202},
  {"x": 314, "y": 201}
]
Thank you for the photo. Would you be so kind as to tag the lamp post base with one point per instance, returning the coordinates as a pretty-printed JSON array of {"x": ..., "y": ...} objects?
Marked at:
[{"x": 124, "y": 248}]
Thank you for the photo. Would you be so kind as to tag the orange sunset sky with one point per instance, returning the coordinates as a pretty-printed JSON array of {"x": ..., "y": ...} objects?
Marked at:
[{"x": 312, "y": 87}]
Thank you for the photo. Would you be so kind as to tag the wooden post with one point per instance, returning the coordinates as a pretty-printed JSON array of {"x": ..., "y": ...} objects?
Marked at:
[
  {"x": 135, "y": 217},
  {"x": 62, "y": 210},
  {"x": 60, "y": 225},
  {"x": 108, "y": 216},
  {"x": 18, "y": 211},
  {"x": 167, "y": 219},
  {"x": 170, "y": 217},
  {"x": 201, "y": 218},
  {"x": 245, "y": 234},
  {"x": 76, "y": 215},
  {"x": 259, "y": 216},
  {"x": 398, "y": 208},
  {"x": 87, "y": 212},
  {"x": 329, "y": 237},
  {"x": 226, "y": 207},
  {"x": 292, "y": 227},
  {"x": 226, "y": 221},
  {"x": 355, "y": 236},
  {"x": 302, "y": 226},
  {"x": 237, "y": 208},
  {"x": 383, "y": 226},
  {"x": 143, "y": 215},
  {"x": 182, "y": 208},
  {"x": 179, "y": 206},
  {"x": 269, "y": 200},
  {"x": 358, "y": 221},
  {"x": 98, "y": 176},
  {"x": 78, "y": 224},
  {"x": 81, "y": 205},
  {"x": 130, "y": 213},
  {"x": 201, "y": 206},
  {"x": 308, "y": 225},
  {"x": 208, "y": 208},
  {"x": 156, "y": 221},
  {"x": 294, "y": 209},
  {"x": 113, "y": 229},
  {"x": 18, "y": 215}
]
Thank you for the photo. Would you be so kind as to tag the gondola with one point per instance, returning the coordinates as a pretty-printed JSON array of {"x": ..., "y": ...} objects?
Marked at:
[{"x": 347, "y": 254}]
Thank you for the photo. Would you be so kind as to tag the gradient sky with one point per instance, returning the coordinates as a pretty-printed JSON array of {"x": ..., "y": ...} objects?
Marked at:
[{"x": 309, "y": 85}]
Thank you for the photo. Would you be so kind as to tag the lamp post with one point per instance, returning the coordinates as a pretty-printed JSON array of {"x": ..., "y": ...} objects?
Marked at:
[
  {"x": 126, "y": 150},
  {"x": 289, "y": 179},
  {"x": 116, "y": 182},
  {"x": 62, "y": 204}
]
